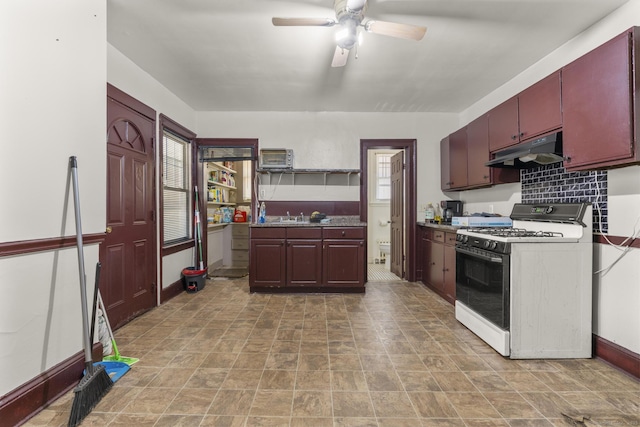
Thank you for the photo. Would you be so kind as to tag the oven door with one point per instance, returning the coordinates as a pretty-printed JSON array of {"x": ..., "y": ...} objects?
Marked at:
[{"x": 482, "y": 284}]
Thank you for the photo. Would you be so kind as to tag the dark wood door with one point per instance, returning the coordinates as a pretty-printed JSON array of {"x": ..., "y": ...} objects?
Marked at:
[
  {"x": 344, "y": 262},
  {"x": 267, "y": 266},
  {"x": 397, "y": 214},
  {"x": 304, "y": 262},
  {"x": 503, "y": 125},
  {"x": 449, "y": 268},
  {"x": 598, "y": 109},
  {"x": 436, "y": 265},
  {"x": 445, "y": 162},
  {"x": 478, "y": 152},
  {"x": 129, "y": 254},
  {"x": 540, "y": 107},
  {"x": 458, "y": 158}
]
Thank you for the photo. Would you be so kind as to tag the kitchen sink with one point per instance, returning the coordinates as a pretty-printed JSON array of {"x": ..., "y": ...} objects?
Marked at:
[{"x": 292, "y": 221}]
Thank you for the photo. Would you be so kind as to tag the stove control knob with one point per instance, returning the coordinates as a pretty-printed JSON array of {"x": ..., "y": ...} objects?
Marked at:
[
  {"x": 493, "y": 245},
  {"x": 486, "y": 244},
  {"x": 465, "y": 239}
]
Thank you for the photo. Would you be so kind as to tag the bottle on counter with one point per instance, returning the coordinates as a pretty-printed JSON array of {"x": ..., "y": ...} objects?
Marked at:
[
  {"x": 429, "y": 213},
  {"x": 262, "y": 216}
]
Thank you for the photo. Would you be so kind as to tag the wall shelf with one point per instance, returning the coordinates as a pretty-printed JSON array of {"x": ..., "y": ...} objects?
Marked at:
[{"x": 310, "y": 176}]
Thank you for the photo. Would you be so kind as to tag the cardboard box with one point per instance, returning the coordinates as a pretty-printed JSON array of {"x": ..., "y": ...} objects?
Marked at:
[{"x": 481, "y": 221}]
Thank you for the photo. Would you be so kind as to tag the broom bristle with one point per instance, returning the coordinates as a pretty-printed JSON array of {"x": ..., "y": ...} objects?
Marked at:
[{"x": 92, "y": 387}]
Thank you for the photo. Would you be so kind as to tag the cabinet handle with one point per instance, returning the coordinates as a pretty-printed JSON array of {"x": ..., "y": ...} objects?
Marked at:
[
  {"x": 361, "y": 243},
  {"x": 514, "y": 137},
  {"x": 485, "y": 177},
  {"x": 343, "y": 233},
  {"x": 521, "y": 134},
  {"x": 567, "y": 159}
]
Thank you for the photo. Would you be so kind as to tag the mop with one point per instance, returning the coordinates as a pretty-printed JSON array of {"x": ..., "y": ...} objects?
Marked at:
[
  {"x": 198, "y": 232},
  {"x": 116, "y": 356}
]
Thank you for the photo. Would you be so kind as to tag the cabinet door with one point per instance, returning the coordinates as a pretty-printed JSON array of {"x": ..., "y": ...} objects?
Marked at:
[
  {"x": 344, "y": 263},
  {"x": 458, "y": 158},
  {"x": 436, "y": 265},
  {"x": 478, "y": 152},
  {"x": 449, "y": 285},
  {"x": 267, "y": 266},
  {"x": 304, "y": 262},
  {"x": 540, "y": 107},
  {"x": 503, "y": 125},
  {"x": 598, "y": 108},
  {"x": 445, "y": 171}
]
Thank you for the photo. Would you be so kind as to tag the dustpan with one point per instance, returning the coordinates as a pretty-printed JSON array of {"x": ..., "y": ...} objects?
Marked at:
[
  {"x": 115, "y": 370},
  {"x": 116, "y": 356}
]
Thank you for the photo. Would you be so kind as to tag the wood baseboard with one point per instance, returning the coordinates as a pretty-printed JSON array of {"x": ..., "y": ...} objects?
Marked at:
[
  {"x": 33, "y": 396},
  {"x": 617, "y": 356},
  {"x": 171, "y": 291}
]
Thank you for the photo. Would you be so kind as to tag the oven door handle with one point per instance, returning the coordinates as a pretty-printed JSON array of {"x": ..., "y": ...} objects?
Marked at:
[{"x": 494, "y": 259}]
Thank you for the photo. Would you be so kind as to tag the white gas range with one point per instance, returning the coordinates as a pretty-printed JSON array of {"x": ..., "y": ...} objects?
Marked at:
[{"x": 526, "y": 290}]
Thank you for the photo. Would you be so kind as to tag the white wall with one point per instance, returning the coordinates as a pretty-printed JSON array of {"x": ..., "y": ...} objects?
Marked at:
[
  {"x": 616, "y": 294},
  {"x": 131, "y": 79},
  {"x": 52, "y": 81},
  {"x": 331, "y": 140}
]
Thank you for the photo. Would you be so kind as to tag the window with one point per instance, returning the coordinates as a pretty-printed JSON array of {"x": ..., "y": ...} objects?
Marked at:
[
  {"x": 176, "y": 183},
  {"x": 247, "y": 189},
  {"x": 383, "y": 177}
]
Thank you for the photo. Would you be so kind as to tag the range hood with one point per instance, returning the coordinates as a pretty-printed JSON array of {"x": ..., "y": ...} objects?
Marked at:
[{"x": 530, "y": 154}]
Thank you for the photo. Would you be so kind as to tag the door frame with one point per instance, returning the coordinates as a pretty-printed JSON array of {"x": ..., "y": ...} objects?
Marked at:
[
  {"x": 199, "y": 173},
  {"x": 129, "y": 102},
  {"x": 409, "y": 146}
]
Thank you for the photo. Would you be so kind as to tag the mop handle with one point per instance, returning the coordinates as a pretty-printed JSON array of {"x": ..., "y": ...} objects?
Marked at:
[{"x": 81, "y": 272}]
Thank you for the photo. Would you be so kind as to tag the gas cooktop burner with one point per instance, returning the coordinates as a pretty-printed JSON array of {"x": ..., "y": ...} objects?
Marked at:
[{"x": 515, "y": 232}]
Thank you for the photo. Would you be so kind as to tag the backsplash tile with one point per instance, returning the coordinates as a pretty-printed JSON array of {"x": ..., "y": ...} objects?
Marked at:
[{"x": 553, "y": 184}]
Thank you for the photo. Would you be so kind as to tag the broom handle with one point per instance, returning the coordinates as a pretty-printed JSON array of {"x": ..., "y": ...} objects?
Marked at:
[{"x": 81, "y": 272}]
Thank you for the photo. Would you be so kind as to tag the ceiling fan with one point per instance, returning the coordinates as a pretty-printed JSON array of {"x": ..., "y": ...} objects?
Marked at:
[{"x": 350, "y": 16}]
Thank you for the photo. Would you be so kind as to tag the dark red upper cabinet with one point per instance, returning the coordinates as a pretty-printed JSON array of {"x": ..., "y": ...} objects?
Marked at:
[
  {"x": 478, "y": 174},
  {"x": 503, "y": 125},
  {"x": 445, "y": 172},
  {"x": 540, "y": 107},
  {"x": 600, "y": 110},
  {"x": 533, "y": 112},
  {"x": 458, "y": 158}
]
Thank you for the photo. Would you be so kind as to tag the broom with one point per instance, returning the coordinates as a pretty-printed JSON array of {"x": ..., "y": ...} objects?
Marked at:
[
  {"x": 96, "y": 382},
  {"x": 116, "y": 356}
]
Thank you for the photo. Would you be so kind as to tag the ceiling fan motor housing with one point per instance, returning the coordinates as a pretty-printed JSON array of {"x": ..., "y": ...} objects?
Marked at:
[{"x": 349, "y": 14}]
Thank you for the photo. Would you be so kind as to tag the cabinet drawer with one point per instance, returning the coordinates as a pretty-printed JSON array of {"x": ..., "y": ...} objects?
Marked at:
[
  {"x": 239, "y": 256},
  {"x": 268, "y": 233},
  {"x": 240, "y": 230},
  {"x": 304, "y": 233},
  {"x": 438, "y": 236},
  {"x": 343, "y": 233},
  {"x": 450, "y": 238},
  {"x": 239, "y": 244}
]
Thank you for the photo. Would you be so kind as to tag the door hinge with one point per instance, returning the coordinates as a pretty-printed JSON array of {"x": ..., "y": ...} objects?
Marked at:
[
  {"x": 154, "y": 287},
  {"x": 153, "y": 216}
]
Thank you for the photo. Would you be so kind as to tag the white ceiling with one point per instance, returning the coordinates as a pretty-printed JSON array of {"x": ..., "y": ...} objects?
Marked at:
[{"x": 225, "y": 55}]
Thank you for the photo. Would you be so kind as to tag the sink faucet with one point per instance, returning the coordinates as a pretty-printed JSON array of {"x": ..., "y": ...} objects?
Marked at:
[
  {"x": 288, "y": 216},
  {"x": 301, "y": 217}
]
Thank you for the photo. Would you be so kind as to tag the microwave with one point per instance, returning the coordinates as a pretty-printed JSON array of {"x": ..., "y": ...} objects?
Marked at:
[{"x": 276, "y": 158}]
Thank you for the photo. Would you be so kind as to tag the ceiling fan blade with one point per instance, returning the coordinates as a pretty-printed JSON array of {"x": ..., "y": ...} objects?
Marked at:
[
  {"x": 340, "y": 57},
  {"x": 392, "y": 29},
  {"x": 303, "y": 22}
]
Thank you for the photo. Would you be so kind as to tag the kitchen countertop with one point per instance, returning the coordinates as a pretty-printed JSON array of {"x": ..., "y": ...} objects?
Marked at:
[
  {"x": 445, "y": 227},
  {"x": 336, "y": 221}
]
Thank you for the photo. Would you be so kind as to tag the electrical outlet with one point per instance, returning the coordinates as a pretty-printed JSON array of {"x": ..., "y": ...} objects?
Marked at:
[
  {"x": 262, "y": 194},
  {"x": 491, "y": 208}
]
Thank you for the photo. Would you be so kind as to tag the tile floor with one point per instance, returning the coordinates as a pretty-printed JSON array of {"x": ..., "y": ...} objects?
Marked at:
[{"x": 394, "y": 356}]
